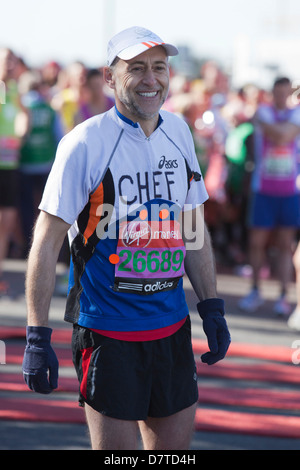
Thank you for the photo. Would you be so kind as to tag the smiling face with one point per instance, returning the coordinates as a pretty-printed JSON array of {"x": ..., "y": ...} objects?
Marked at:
[{"x": 141, "y": 85}]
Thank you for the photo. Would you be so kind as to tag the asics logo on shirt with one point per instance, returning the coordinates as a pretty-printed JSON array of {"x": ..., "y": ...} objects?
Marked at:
[{"x": 164, "y": 163}]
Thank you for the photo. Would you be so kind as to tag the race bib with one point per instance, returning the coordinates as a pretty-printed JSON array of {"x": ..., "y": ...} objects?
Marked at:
[
  {"x": 9, "y": 151},
  {"x": 278, "y": 171},
  {"x": 150, "y": 256},
  {"x": 278, "y": 163}
]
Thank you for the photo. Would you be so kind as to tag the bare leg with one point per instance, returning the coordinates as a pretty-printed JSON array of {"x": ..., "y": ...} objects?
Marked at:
[
  {"x": 296, "y": 261},
  {"x": 8, "y": 217},
  {"x": 110, "y": 434},
  {"x": 294, "y": 320},
  {"x": 171, "y": 433},
  {"x": 286, "y": 238},
  {"x": 257, "y": 251}
]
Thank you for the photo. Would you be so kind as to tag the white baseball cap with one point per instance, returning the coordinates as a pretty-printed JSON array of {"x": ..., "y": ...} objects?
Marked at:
[{"x": 131, "y": 42}]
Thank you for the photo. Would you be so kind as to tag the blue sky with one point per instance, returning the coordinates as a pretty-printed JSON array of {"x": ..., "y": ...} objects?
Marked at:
[{"x": 66, "y": 30}]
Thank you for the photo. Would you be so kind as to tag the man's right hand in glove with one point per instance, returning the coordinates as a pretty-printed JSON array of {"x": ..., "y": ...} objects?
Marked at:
[{"x": 39, "y": 358}]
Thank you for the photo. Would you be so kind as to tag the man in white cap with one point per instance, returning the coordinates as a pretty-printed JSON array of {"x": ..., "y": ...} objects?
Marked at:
[{"x": 120, "y": 185}]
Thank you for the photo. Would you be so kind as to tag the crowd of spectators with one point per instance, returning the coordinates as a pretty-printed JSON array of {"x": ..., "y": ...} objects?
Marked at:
[
  {"x": 221, "y": 121},
  {"x": 219, "y": 117}
]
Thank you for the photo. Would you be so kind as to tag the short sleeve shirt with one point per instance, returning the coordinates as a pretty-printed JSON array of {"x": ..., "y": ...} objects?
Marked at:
[{"x": 122, "y": 194}]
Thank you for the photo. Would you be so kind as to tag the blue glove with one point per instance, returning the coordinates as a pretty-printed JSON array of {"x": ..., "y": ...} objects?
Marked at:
[
  {"x": 215, "y": 327},
  {"x": 38, "y": 358}
]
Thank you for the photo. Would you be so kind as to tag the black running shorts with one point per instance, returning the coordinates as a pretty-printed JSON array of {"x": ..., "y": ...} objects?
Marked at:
[
  {"x": 9, "y": 188},
  {"x": 135, "y": 380}
]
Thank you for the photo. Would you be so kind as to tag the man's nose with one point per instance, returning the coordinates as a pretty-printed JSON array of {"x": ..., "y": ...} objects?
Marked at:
[{"x": 149, "y": 77}]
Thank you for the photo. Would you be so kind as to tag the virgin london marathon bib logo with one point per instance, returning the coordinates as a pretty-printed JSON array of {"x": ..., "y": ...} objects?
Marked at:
[{"x": 136, "y": 234}]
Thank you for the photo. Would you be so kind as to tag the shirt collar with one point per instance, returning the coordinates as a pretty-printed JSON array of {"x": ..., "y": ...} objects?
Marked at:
[{"x": 134, "y": 124}]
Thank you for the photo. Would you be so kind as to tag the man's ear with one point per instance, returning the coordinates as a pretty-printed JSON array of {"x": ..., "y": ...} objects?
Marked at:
[{"x": 108, "y": 77}]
